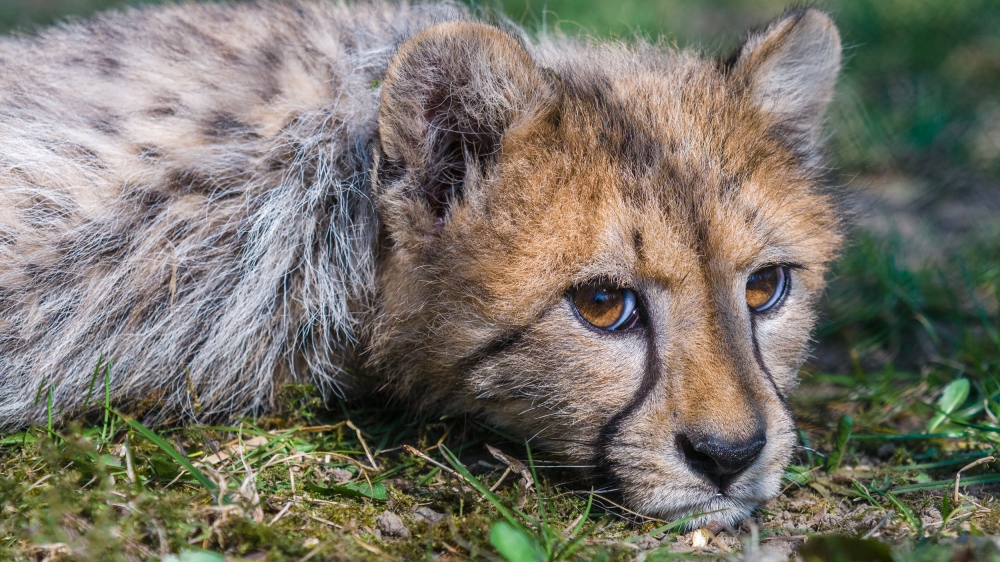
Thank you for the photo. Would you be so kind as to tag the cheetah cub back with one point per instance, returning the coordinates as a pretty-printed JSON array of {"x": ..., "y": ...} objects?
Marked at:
[{"x": 615, "y": 250}]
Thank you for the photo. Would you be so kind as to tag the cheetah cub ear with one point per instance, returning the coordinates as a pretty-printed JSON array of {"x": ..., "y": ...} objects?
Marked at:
[
  {"x": 450, "y": 95},
  {"x": 789, "y": 70}
]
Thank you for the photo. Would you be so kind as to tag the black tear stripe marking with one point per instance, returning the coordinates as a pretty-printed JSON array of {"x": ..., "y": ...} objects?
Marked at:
[
  {"x": 763, "y": 367},
  {"x": 605, "y": 466}
]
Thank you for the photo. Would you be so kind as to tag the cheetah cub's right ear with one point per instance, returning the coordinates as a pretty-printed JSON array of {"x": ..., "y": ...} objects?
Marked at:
[
  {"x": 450, "y": 96},
  {"x": 789, "y": 70}
]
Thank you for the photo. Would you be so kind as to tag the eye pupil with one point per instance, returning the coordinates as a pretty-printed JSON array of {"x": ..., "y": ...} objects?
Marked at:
[
  {"x": 606, "y": 307},
  {"x": 766, "y": 287}
]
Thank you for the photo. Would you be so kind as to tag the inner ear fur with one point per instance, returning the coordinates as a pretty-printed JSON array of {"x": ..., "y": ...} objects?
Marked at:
[
  {"x": 789, "y": 70},
  {"x": 449, "y": 96}
]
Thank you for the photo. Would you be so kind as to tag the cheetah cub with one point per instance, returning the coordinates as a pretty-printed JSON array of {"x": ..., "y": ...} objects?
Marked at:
[{"x": 615, "y": 250}]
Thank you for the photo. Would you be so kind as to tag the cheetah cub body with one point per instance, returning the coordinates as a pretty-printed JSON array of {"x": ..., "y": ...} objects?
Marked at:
[{"x": 613, "y": 249}]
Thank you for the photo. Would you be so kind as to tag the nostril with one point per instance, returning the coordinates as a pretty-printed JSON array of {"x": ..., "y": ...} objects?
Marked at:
[
  {"x": 721, "y": 461},
  {"x": 698, "y": 461}
]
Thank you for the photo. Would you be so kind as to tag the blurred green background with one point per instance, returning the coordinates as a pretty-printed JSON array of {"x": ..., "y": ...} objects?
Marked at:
[
  {"x": 921, "y": 88},
  {"x": 914, "y": 140}
]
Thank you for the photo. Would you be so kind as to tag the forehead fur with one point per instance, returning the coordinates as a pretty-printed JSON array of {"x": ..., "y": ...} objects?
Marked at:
[{"x": 655, "y": 157}]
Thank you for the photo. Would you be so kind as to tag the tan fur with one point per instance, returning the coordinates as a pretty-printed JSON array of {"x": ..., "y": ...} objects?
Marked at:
[{"x": 240, "y": 195}]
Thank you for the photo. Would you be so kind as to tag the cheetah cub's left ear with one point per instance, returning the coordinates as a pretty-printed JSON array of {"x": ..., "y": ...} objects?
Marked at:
[
  {"x": 450, "y": 95},
  {"x": 789, "y": 70}
]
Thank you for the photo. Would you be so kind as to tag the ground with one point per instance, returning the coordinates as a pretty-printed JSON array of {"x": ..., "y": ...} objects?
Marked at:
[{"x": 901, "y": 397}]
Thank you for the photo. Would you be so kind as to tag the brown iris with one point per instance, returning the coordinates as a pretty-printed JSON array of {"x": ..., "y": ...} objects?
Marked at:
[
  {"x": 607, "y": 307},
  {"x": 765, "y": 287}
]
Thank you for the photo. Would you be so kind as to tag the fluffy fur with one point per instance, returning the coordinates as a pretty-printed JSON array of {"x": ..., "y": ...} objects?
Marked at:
[{"x": 220, "y": 198}]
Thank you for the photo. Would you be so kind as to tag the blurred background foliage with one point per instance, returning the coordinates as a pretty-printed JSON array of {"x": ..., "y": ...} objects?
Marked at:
[{"x": 921, "y": 88}]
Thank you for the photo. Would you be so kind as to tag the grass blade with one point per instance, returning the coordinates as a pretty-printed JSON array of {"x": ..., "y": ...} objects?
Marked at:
[
  {"x": 911, "y": 518},
  {"x": 173, "y": 453},
  {"x": 480, "y": 487},
  {"x": 514, "y": 544},
  {"x": 905, "y": 436},
  {"x": 944, "y": 484},
  {"x": 374, "y": 491},
  {"x": 844, "y": 428},
  {"x": 952, "y": 397},
  {"x": 959, "y": 459}
]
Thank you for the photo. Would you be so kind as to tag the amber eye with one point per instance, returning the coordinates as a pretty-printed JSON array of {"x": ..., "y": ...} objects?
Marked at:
[
  {"x": 766, "y": 287},
  {"x": 607, "y": 307}
]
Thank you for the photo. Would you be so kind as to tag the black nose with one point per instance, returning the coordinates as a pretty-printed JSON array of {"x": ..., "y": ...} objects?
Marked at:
[{"x": 719, "y": 460}]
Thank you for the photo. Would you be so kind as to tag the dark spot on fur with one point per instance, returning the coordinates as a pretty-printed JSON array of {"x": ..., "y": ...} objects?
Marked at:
[
  {"x": 150, "y": 152},
  {"x": 281, "y": 158},
  {"x": 59, "y": 317},
  {"x": 41, "y": 212},
  {"x": 224, "y": 125},
  {"x": 350, "y": 47},
  {"x": 105, "y": 125},
  {"x": 150, "y": 203},
  {"x": 108, "y": 67},
  {"x": 161, "y": 111},
  {"x": 82, "y": 155},
  {"x": 178, "y": 231},
  {"x": 269, "y": 88},
  {"x": 270, "y": 57},
  {"x": 619, "y": 131},
  {"x": 637, "y": 243},
  {"x": 190, "y": 181}
]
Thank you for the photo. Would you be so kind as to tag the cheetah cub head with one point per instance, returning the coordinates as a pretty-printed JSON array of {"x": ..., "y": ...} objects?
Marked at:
[{"x": 614, "y": 251}]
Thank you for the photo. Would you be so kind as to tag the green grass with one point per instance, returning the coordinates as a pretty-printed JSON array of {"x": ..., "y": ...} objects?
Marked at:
[{"x": 904, "y": 390}]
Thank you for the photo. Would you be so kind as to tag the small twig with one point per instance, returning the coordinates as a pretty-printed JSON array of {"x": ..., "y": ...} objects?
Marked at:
[
  {"x": 571, "y": 526},
  {"x": 802, "y": 538},
  {"x": 182, "y": 472},
  {"x": 368, "y": 547},
  {"x": 315, "y": 518},
  {"x": 364, "y": 445},
  {"x": 415, "y": 451},
  {"x": 279, "y": 457},
  {"x": 321, "y": 520},
  {"x": 248, "y": 489},
  {"x": 878, "y": 526},
  {"x": 318, "y": 501},
  {"x": 312, "y": 552},
  {"x": 37, "y": 484},
  {"x": 958, "y": 475},
  {"x": 989, "y": 413},
  {"x": 514, "y": 464},
  {"x": 129, "y": 467},
  {"x": 494, "y": 487},
  {"x": 281, "y": 513}
]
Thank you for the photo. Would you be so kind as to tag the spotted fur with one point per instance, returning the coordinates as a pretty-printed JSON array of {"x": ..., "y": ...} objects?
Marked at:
[{"x": 219, "y": 198}]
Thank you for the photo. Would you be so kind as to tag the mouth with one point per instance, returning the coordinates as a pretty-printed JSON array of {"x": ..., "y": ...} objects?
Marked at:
[
  {"x": 716, "y": 508},
  {"x": 694, "y": 503}
]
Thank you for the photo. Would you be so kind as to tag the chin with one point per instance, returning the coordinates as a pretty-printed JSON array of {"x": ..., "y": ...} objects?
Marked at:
[{"x": 690, "y": 496}]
